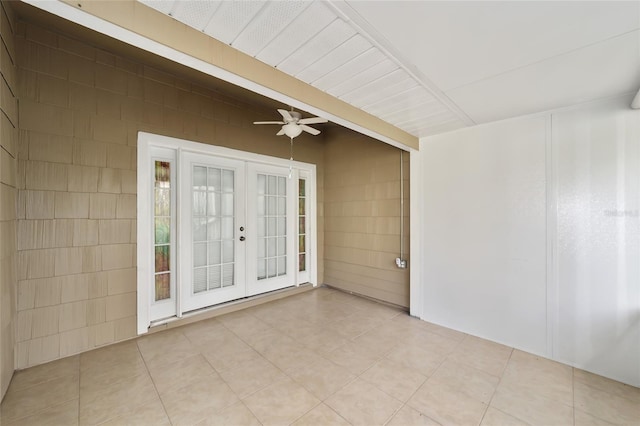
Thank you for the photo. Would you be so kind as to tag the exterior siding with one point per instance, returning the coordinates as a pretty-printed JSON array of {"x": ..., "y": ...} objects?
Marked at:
[{"x": 362, "y": 217}]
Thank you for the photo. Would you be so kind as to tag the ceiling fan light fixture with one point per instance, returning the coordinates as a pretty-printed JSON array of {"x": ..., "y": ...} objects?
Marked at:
[{"x": 292, "y": 130}]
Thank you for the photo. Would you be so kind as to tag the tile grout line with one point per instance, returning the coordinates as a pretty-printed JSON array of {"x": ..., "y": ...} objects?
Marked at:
[
  {"x": 153, "y": 381},
  {"x": 498, "y": 385}
]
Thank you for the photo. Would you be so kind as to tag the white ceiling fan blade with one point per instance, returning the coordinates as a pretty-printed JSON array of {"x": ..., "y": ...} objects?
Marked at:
[
  {"x": 311, "y": 130},
  {"x": 280, "y": 133},
  {"x": 312, "y": 120},
  {"x": 268, "y": 122},
  {"x": 285, "y": 114}
]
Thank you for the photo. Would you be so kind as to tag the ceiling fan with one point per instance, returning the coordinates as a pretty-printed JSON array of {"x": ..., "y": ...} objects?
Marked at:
[{"x": 293, "y": 124}]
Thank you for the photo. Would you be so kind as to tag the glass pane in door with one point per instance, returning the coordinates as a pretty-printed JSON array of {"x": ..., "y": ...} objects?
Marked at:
[
  {"x": 162, "y": 230},
  {"x": 271, "y": 226},
  {"x": 212, "y": 226}
]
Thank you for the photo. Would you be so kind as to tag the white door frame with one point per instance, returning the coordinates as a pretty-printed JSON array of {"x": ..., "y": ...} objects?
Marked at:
[{"x": 145, "y": 267}]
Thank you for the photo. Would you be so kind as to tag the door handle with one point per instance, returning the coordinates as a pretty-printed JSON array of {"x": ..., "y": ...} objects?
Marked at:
[{"x": 242, "y": 238}]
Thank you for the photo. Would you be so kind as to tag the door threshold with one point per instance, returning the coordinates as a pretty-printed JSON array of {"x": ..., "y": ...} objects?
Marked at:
[{"x": 227, "y": 307}]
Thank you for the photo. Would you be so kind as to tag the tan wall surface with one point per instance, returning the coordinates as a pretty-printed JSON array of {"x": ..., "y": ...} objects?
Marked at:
[
  {"x": 81, "y": 109},
  {"x": 362, "y": 217},
  {"x": 8, "y": 196}
]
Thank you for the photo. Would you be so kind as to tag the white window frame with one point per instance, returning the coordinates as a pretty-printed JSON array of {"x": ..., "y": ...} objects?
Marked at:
[{"x": 148, "y": 143}]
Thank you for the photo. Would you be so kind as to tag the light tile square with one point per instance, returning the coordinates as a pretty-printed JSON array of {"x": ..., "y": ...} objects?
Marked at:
[
  {"x": 281, "y": 403},
  {"x": 361, "y": 403}
]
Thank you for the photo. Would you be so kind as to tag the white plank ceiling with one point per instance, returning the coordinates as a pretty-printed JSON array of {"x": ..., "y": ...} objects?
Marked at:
[{"x": 430, "y": 67}]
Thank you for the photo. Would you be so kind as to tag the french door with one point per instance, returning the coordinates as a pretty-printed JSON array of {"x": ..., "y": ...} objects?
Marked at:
[
  {"x": 237, "y": 230},
  {"x": 216, "y": 224},
  {"x": 271, "y": 226},
  {"x": 211, "y": 225}
]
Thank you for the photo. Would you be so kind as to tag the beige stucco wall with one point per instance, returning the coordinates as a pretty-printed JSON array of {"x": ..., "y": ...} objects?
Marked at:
[
  {"x": 81, "y": 109},
  {"x": 8, "y": 196},
  {"x": 362, "y": 217}
]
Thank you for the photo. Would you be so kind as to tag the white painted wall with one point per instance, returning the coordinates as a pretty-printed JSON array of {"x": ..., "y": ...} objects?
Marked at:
[
  {"x": 597, "y": 179},
  {"x": 531, "y": 235}
]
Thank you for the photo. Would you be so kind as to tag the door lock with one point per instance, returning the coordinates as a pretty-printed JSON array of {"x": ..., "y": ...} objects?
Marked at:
[
  {"x": 242, "y": 238},
  {"x": 241, "y": 228}
]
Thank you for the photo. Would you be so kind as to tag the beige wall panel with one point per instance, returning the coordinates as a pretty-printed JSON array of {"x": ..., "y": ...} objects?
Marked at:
[
  {"x": 8, "y": 102},
  {"x": 46, "y": 176},
  {"x": 119, "y": 157},
  {"x": 26, "y": 294},
  {"x": 126, "y": 206},
  {"x": 110, "y": 181},
  {"x": 8, "y": 136},
  {"x": 44, "y": 321},
  {"x": 36, "y": 263},
  {"x": 74, "y": 289},
  {"x": 362, "y": 218},
  {"x": 7, "y": 168},
  {"x": 8, "y": 202},
  {"x": 41, "y": 350},
  {"x": 122, "y": 281},
  {"x": 24, "y": 323},
  {"x": 45, "y": 118},
  {"x": 88, "y": 153},
  {"x": 46, "y": 292},
  {"x": 71, "y": 205},
  {"x": 118, "y": 256},
  {"x": 120, "y": 306},
  {"x": 102, "y": 334},
  {"x": 102, "y": 206},
  {"x": 8, "y": 232},
  {"x": 116, "y": 231},
  {"x": 83, "y": 178},
  {"x": 97, "y": 284},
  {"x": 74, "y": 341},
  {"x": 49, "y": 148},
  {"x": 8, "y": 28},
  {"x": 96, "y": 311},
  {"x": 124, "y": 328},
  {"x": 52, "y": 90},
  {"x": 73, "y": 315},
  {"x": 86, "y": 232}
]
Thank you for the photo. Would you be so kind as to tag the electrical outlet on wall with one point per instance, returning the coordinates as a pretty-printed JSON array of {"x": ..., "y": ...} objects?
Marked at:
[{"x": 401, "y": 263}]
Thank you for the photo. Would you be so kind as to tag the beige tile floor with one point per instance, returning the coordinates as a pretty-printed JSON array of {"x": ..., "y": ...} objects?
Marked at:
[{"x": 318, "y": 358}]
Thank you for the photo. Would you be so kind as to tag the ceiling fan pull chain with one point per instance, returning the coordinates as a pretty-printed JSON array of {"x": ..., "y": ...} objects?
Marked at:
[{"x": 291, "y": 159}]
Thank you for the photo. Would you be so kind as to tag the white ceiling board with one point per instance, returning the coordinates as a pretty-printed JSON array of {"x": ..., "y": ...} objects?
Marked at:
[
  {"x": 354, "y": 46},
  {"x": 231, "y": 18},
  {"x": 605, "y": 69},
  {"x": 457, "y": 43},
  {"x": 358, "y": 80},
  {"x": 382, "y": 89},
  {"x": 306, "y": 26},
  {"x": 418, "y": 112},
  {"x": 196, "y": 14},
  {"x": 404, "y": 102},
  {"x": 355, "y": 66},
  {"x": 437, "y": 129},
  {"x": 332, "y": 36},
  {"x": 272, "y": 19}
]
